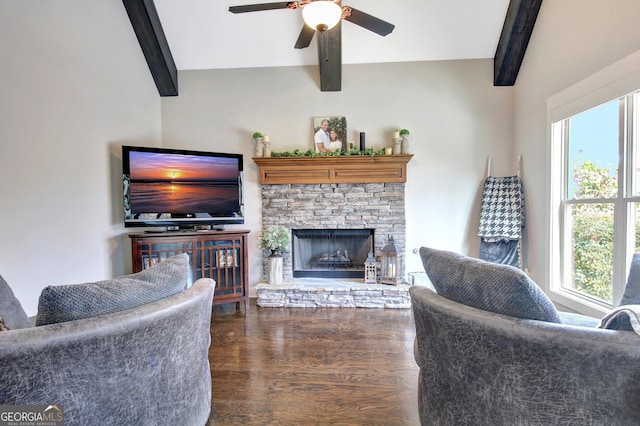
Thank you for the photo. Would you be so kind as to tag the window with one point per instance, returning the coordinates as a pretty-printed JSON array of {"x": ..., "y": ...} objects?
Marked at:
[
  {"x": 597, "y": 190},
  {"x": 593, "y": 188}
]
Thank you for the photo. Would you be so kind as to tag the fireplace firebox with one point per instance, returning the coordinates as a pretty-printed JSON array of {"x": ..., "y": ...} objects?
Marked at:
[{"x": 331, "y": 253}]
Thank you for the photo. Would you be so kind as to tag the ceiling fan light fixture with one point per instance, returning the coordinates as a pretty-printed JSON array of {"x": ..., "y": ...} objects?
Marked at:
[{"x": 322, "y": 15}]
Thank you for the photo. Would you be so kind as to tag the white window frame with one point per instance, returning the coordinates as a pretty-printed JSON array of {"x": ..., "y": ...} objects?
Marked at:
[{"x": 615, "y": 81}]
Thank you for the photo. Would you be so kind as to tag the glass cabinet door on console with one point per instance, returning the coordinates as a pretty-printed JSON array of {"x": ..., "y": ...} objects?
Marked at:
[{"x": 220, "y": 255}]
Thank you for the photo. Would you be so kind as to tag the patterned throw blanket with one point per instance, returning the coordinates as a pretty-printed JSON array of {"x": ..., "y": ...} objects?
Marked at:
[{"x": 502, "y": 210}]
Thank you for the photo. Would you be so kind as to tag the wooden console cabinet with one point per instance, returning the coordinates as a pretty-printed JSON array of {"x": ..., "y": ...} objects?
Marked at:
[{"x": 221, "y": 255}]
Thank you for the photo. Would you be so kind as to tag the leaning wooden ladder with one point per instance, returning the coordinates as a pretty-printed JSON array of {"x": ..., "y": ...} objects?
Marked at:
[{"x": 502, "y": 218}]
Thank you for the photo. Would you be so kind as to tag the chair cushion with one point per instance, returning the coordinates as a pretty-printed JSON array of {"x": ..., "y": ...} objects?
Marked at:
[
  {"x": 631, "y": 294},
  {"x": 579, "y": 320},
  {"x": 624, "y": 317},
  {"x": 489, "y": 286},
  {"x": 11, "y": 309},
  {"x": 79, "y": 301}
]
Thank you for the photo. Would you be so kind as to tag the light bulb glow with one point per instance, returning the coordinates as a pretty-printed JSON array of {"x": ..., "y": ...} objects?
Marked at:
[{"x": 322, "y": 13}]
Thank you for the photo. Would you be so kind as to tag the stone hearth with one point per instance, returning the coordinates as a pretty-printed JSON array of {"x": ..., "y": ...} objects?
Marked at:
[{"x": 326, "y": 293}]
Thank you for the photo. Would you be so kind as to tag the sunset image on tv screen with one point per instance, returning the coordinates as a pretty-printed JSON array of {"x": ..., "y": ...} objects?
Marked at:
[{"x": 183, "y": 184}]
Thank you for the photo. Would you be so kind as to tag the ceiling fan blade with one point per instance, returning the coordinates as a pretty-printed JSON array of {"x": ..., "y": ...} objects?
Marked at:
[
  {"x": 305, "y": 37},
  {"x": 259, "y": 7},
  {"x": 367, "y": 21},
  {"x": 330, "y": 59}
]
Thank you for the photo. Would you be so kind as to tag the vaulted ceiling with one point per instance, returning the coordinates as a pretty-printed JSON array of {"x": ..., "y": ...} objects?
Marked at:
[{"x": 203, "y": 34}]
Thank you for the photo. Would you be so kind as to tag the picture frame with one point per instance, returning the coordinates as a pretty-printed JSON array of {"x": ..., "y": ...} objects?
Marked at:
[
  {"x": 226, "y": 258},
  {"x": 331, "y": 129}
]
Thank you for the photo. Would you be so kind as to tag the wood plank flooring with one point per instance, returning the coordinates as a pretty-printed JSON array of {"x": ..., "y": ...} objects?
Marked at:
[{"x": 320, "y": 366}]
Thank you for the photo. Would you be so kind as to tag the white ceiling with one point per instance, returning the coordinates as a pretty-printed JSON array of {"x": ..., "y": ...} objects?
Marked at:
[{"x": 203, "y": 34}]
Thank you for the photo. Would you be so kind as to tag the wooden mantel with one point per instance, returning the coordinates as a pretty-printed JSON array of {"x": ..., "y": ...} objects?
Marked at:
[{"x": 343, "y": 169}]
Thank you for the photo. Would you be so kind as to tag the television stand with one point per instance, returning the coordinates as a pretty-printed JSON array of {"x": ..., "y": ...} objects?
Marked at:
[{"x": 221, "y": 255}]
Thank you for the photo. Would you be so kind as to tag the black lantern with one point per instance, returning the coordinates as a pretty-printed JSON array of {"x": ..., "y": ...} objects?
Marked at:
[
  {"x": 370, "y": 270},
  {"x": 390, "y": 264}
]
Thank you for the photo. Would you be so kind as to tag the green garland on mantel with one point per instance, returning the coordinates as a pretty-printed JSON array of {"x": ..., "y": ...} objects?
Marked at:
[{"x": 311, "y": 153}]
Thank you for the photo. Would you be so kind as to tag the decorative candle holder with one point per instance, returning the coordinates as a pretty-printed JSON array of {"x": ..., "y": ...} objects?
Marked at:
[
  {"x": 397, "y": 148},
  {"x": 370, "y": 270},
  {"x": 390, "y": 272}
]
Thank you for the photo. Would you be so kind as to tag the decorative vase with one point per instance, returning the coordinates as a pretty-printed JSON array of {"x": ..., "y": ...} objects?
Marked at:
[
  {"x": 397, "y": 149},
  {"x": 405, "y": 144},
  {"x": 274, "y": 266},
  {"x": 259, "y": 147}
]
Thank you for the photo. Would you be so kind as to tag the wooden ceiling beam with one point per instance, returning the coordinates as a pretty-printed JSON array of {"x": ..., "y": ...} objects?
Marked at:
[
  {"x": 514, "y": 39},
  {"x": 146, "y": 24}
]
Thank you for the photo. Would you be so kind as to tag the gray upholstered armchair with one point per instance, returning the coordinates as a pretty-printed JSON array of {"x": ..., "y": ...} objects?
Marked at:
[
  {"x": 481, "y": 367},
  {"x": 144, "y": 365}
]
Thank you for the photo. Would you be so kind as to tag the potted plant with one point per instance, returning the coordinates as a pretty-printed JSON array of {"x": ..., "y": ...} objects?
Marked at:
[
  {"x": 257, "y": 136},
  {"x": 276, "y": 239},
  {"x": 404, "y": 134}
]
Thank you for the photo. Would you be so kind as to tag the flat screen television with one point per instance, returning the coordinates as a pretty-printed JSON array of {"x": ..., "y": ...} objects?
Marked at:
[{"x": 181, "y": 189}]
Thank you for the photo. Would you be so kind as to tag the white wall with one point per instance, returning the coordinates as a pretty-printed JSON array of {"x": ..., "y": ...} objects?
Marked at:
[
  {"x": 572, "y": 39},
  {"x": 456, "y": 117},
  {"x": 74, "y": 87}
]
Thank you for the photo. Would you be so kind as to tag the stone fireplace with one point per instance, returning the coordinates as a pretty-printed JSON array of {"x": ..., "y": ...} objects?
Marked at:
[
  {"x": 349, "y": 205},
  {"x": 377, "y": 208}
]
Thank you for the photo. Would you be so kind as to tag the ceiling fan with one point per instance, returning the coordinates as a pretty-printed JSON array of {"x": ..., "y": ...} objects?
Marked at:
[{"x": 324, "y": 16}]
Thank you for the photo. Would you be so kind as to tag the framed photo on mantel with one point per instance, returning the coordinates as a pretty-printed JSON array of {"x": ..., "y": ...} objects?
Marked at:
[{"x": 329, "y": 133}]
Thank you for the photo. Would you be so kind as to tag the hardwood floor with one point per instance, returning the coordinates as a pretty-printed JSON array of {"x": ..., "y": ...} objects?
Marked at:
[{"x": 298, "y": 366}]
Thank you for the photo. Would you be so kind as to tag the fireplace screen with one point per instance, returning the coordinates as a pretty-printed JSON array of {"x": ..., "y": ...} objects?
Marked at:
[{"x": 331, "y": 253}]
